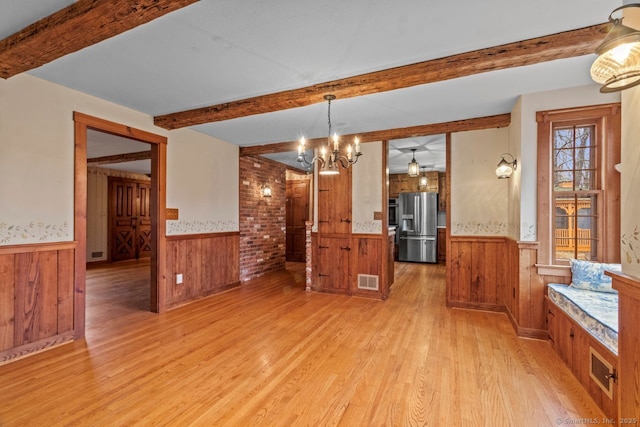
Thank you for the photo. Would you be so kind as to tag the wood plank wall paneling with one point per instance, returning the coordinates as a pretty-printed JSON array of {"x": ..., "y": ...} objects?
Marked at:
[
  {"x": 7, "y": 305},
  {"x": 500, "y": 274},
  {"x": 479, "y": 273},
  {"x": 628, "y": 288},
  {"x": 365, "y": 259},
  {"x": 209, "y": 263},
  {"x": 36, "y": 297}
]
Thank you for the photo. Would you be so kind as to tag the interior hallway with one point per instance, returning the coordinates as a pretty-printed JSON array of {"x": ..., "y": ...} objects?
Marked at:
[{"x": 268, "y": 353}]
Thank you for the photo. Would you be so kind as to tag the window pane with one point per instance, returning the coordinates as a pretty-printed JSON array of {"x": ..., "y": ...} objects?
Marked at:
[
  {"x": 563, "y": 160},
  {"x": 562, "y": 220},
  {"x": 563, "y": 181},
  {"x": 585, "y": 180},
  {"x": 583, "y": 158},
  {"x": 565, "y": 238},
  {"x": 583, "y": 136},
  {"x": 563, "y": 138}
]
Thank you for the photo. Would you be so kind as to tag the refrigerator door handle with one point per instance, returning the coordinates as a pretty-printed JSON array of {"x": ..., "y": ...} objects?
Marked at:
[
  {"x": 428, "y": 238},
  {"x": 416, "y": 214}
]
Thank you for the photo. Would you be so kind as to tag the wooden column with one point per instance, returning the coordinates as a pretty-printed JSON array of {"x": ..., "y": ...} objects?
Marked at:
[
  {"x": 308, "y": 256},
  {"x": 628, "y": 288}
]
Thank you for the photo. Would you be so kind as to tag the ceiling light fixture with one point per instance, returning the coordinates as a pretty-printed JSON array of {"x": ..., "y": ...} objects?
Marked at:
[
  {"x": 505, "y": 168},
  {"x": 414, "y": 167},
  {"x": 423, "y": 178},
  {"x": 330, "y": 157},
  {"x": 617, "y": 66}
]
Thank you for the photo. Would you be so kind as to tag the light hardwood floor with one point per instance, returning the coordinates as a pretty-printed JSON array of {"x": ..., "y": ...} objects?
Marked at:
[{"x": 269, "y": 353}]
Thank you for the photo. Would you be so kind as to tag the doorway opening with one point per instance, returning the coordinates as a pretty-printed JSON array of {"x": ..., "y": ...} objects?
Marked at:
[
  {"x": 298, "y": 212},
  {"x": 153, "y": 237}
]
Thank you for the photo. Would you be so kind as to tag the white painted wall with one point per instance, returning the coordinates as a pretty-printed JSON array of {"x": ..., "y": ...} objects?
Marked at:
[
  {"x": 37, "y": 164},
  {"x": 479, "y": 203},
  {"x": 366, "y": 193},
  {"x": 630, "y": 183},
  {"x": 203, "y": 177},
  {"x": 514, "y": 186}
]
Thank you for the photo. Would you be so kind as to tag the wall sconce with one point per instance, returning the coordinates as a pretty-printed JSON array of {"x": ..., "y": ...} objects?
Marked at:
[
  {"x": 617, "y": 66},
  {"x": 265, "y": 190},
  {"x": 505, "y": 168},
  {"x": 414, "y": 167}
]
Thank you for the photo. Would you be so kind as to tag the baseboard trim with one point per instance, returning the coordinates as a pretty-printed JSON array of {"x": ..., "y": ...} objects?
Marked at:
[
  {"x": 477, "y": 306},
  {"x": 15, "y": 353}
]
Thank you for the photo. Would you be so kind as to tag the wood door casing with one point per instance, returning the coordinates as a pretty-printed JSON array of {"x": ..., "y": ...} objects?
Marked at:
[
  {"x": 129, "y": 219},
  {"x": 296, "y": 215}
]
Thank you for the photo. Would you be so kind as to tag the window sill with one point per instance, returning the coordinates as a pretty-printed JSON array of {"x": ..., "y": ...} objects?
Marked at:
[{"x": 554, "y": 270}]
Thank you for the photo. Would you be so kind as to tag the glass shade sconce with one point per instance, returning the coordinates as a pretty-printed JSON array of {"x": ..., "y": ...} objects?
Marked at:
[
  {"x": 265, "y": 190},
  {"x": 506, "y": 167}
]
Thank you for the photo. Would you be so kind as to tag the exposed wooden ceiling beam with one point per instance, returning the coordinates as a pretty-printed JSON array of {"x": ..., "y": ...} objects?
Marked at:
[
  {"x": 548, "y": 48},
  {"x": 120, "y": 158},
  {"x": 489, "y": 122},
  {"x": 81, "y": 24}
]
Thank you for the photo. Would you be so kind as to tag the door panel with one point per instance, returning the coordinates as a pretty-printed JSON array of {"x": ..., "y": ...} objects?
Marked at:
[
  {"x": 129, "y": 219},
  {"x": 296, "y": 216},
  {"x": 144, "y": 221}
]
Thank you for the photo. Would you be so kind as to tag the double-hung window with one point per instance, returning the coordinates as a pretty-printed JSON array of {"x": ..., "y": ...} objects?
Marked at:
[{"x": 578, "y": 187}]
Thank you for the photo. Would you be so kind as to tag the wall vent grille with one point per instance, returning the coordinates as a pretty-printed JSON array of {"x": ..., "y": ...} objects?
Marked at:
[
  {"x": 602, "y": 372},
  {"x": 368, "y": 282}
]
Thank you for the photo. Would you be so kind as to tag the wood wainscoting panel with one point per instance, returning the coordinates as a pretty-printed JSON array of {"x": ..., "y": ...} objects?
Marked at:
[
  {"x": 532, "y": 316},
  {"x": 628, "y": 288},
  {"x": 7, "y": 305},
  {"x": 479, "y": 272},
  {"x": 36, "y": 297},
  {"x": 208, "y": 263},
  {"x": 366, "y": 258}
]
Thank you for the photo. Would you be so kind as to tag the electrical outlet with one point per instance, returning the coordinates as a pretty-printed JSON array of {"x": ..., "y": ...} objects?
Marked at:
[{"x": 178, "y": 279}]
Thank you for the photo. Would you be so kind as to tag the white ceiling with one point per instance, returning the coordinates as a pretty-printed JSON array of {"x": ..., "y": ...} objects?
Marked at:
[
  {"x": 101, "y": 144},
  {"x": 216, "y": 51}
]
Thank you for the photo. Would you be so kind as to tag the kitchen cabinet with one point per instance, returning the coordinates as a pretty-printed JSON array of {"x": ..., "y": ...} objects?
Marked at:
[
  {"x": 442, "y": 245},
  {"x": 403, "y": 183},
  {"x": 442, "y": 191}
]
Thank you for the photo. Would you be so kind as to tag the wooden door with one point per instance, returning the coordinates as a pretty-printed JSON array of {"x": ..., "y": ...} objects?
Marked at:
[
  {"x": 296, "y": 215},
  {"x": 334, "y": 203},
  {"x": 129, "y": 219},
  {"x": 144, "y": 220},
  {"x": 333, "y": 262}
]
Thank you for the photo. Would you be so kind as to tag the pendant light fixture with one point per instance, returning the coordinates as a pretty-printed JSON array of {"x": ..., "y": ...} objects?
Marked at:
[
  {"x": 423, "y": 178},
  {"x": 617, "y": 66},
  {"x": 414, "y": 167},
  {"x": 330, "y": 158}
]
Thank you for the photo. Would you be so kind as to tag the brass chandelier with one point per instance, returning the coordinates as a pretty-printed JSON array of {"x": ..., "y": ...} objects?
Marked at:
[{"x": 331, "y": 158}]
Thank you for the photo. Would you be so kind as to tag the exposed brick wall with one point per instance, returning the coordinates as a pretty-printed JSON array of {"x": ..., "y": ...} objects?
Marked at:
[{"x": 262, "y": 219}]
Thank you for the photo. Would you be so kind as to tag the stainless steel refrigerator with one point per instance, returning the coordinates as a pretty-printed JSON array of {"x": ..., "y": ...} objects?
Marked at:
[{"x": 418, "y": 227}]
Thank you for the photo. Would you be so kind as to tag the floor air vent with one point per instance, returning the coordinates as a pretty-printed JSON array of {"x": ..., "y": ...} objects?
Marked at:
[
  {"x": 601, "y": 372},
  {"x": 368, "y": 282}
]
